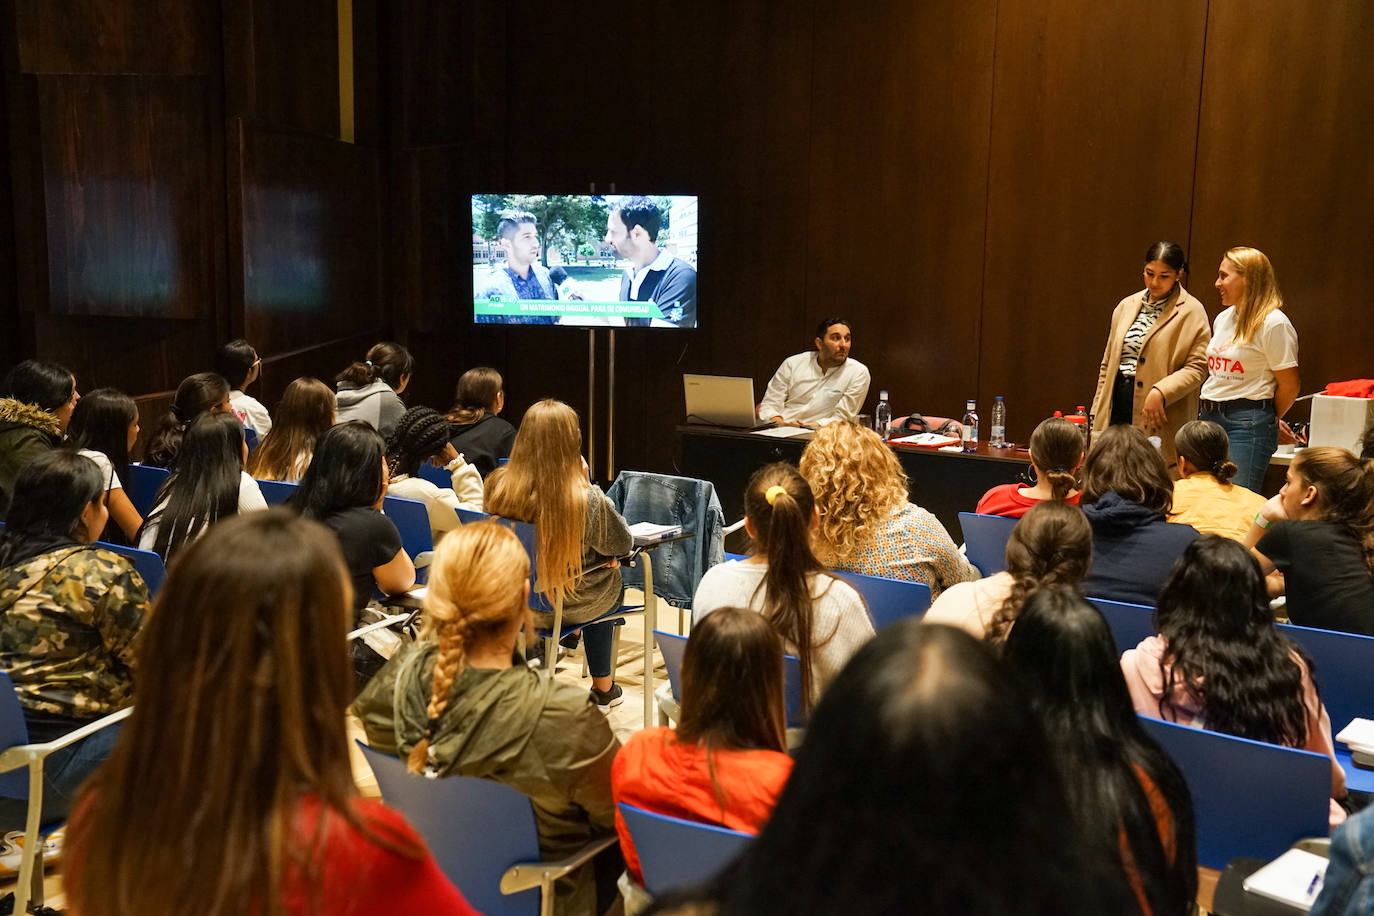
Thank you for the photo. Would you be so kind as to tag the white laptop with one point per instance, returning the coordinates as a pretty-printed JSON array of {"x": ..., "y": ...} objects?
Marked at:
[{"x": 721, "y": 400}]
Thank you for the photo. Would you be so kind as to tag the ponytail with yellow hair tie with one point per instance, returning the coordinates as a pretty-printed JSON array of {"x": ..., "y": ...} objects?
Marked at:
[{"x": 773, "y": 492}]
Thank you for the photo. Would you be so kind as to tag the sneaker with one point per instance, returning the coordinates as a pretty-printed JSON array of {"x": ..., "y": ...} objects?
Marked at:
[{"x": 605, "y": 699}]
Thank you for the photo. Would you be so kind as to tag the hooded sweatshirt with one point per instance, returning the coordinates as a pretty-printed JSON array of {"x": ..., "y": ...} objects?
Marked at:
[
  {"x": 1134, "y": 549},
  {"x": 543, "y": 737},
  {"x": 26, "y": 431},
  {"x": 375, "y": 404}
]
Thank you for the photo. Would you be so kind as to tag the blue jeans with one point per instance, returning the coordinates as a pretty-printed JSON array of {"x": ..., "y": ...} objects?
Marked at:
[
  {"x": 1254, "y": 435},
  {"x": 63, "y": 773}
]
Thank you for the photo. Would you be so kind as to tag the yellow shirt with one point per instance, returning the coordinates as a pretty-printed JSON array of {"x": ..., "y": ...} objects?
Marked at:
[{"x": 1213, "y": 507}]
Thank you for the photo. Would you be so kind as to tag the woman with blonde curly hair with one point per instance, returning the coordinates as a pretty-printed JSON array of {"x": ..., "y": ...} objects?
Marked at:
[
  {"x": 578, "y": 532},
  {"x": 866, "y": 523},
  {"x": 460, "y": 702},
  {"x": 1050, "y": 546}
]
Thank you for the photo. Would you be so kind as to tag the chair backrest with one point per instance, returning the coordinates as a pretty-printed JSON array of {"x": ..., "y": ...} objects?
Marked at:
[
  {"x": 675, "y": 853},
  {"x": 525, "y": 532},
  {"x": 889, "y": 600},
  {"x": 1130, "y": 623},
  {"x": 1342, "y": 662},
  {"x": 475, "y": 828},
  {"x": 673, "y": 647},
  {"x": 148, "y": 564},
  {"x": 411, "y": 519},
  {"x": 277, "y": 492},
  {"x": 250, "y": 438},
  {"x": 1249, "y": 798},
  {"x": 14, "y": 731},
  {"x": 141, "y": 484},
  {"x": 437, "y": 476},
  {"x": 985, "y": 540}
]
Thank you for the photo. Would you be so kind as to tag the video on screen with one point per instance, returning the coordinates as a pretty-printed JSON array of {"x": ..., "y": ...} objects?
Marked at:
[{"x": 584, "y": 260}]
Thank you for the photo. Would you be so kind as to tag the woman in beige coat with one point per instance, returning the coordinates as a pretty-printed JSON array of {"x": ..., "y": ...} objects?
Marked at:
[{"x": 1156, "y": 355}]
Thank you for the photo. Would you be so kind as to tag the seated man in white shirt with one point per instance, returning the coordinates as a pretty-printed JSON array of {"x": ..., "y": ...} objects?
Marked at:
[{"x": 820, "y": 387}]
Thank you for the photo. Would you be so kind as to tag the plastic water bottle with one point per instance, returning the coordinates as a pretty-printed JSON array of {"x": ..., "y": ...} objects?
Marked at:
[
  {"x": 998, "y": 437},
  {"x": 882, "y": 415},
  {"x": 1080, "y": 417},
  {"x": 970, "y": 423}
]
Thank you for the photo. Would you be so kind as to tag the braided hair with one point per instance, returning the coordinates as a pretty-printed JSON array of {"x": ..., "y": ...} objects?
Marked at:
[
  {"x": 474, "y": 593},
  {"x": 421, "y": 434}
]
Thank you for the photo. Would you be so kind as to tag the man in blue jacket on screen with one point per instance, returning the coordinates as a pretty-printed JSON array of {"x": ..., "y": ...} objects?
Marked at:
[
  {"x": 653, "y": 275},
  {"x": 522, "y": 276}
]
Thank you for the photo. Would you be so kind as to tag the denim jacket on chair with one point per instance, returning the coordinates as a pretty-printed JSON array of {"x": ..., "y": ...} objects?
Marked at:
[
  {"x": 1349, "y": 886},
  {"x": 666, "y": 500}
]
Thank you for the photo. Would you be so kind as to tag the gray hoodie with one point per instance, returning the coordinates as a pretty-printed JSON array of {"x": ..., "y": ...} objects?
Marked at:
[
  {"x": 540, "y": 736},
  {"x": 375, "y": 404}
]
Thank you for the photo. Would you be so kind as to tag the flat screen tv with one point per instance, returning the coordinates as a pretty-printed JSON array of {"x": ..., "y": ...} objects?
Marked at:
[{"x": 585, "y": 260}]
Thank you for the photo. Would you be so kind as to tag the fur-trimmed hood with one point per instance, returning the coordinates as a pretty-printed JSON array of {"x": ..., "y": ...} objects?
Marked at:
[{"x": 17, "y": 413}]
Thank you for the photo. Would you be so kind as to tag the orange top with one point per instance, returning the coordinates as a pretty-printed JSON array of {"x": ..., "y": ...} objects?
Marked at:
[{"x": 656, "y": 772}]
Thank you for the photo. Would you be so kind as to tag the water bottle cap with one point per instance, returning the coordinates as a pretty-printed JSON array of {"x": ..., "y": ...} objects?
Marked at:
[
  {"x": 999, "y": 397},
  {"x": 970, "y": 402}
]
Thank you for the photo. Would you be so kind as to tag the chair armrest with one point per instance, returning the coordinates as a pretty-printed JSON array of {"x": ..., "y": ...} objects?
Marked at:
[
  {"x": 1317, "y": 845},
  {"x": 423, "y": 559},
  {"x": 21, "y": 755},
  {"x": 525, "y": 875},
  {"x": 378, "y": 625},
  {"x": 731, "y": 529}
]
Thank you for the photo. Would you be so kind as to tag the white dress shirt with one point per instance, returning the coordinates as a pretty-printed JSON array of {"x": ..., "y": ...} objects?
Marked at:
[{"x": 801, "y": 391}]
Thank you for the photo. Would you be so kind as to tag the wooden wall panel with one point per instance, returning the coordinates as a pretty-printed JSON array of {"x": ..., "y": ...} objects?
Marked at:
[
  {"x": 306, "y": 241},
  {"x": 897, "y": 191},
  {"x": 132, "y": 354},
  {"x": 116, "y": 36},
  {"x": 126, "y": 162},
  {"x": 1093, "y": 133},
  {"x": 1288, "y": 102},
  {"x": 449, "y": 63},
  {"x": 282, "y": 63}
]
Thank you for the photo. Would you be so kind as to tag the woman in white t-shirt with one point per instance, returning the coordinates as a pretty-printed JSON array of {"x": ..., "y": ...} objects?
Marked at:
[
  {"x": 104, "y": 428},
  {"x": 820, "y": 618},
  {"x": 1252, "y": 363},
  {"x": 207, "y": 484}
]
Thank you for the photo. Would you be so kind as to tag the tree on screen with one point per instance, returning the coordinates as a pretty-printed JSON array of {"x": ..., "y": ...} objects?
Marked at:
[{"x": 562, "y": 220}]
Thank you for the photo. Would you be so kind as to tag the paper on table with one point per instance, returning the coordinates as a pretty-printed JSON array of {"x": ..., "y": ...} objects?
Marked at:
[
  {"x": 1359, "y": 734},
  {"x": 929, "y": 440},
  {"x": 1294, "y": 877},
  {"x": 782, "y": 432}
]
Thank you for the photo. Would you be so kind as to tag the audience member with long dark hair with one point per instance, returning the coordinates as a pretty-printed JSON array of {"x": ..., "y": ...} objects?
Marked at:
[
  {"x": 422, "y": 437},
  {"x": 868, "y": 523},
  {"x": 240, "y": 365},
  {"x": 1319, "y": 532},
  {"x": 1127, "y": 492},
  {"x": 343, "y": 488},
  {"x": 36, "y": 403},
  {"x": 104, "y": 428},
  {"x": 233, "y": 772},
  {"x": 579, "y": 533},
  {"x": 1056, "y": 451},
  {"x": 726, "y": 762},
  {"x": 304, "y": 413},
  {"x": 477, "y": 431},
  {"x": 370, "y": 389},
  {"x": 888, "y": 809},
  {"x": 461, "y": 702},
  {"x": 821, "y": 619},
  {"x": 1130, "y": 800},
  {"x": 1219, "y": 662},
  {"x": 1204, "y": 495},
  {"x": 204, "y": 392},
  {"x": 69, "y": 613},
  {"x": 207, "y": 483},
  {"x": 1050, "y": 546}
]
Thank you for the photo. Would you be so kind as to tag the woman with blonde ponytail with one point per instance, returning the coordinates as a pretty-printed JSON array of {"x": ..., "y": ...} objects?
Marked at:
[
  {"x": 822, "y": 620},
  {"x": 459, "y": 702},
  {"x": 1319, "y": 532}
]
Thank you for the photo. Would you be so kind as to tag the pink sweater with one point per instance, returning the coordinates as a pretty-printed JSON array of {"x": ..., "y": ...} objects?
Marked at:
[{"x": 1145, "y": 679}]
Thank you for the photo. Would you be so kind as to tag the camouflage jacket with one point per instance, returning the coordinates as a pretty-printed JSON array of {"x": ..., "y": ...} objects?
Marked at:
[{"x": 68, "y": 622}]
